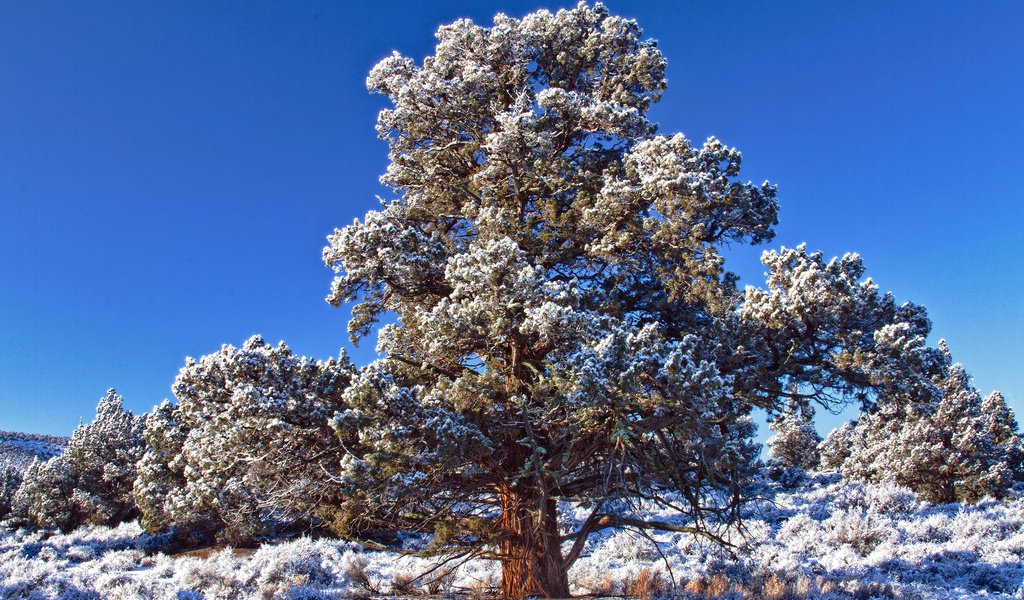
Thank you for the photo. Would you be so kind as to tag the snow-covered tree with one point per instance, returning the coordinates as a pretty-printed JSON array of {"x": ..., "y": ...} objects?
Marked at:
[
  {"x": 837, "y": 446},
  {"x": 91, "y": 482},
  {"x": 244, "y": 450},
  {"x": 565, "y": 327},
  {"x": 795, "y": 443},
  {"x": 10, "y": 481},
  {"x": 948, "y": 446},
  {"x": 1004, "y": 463}
]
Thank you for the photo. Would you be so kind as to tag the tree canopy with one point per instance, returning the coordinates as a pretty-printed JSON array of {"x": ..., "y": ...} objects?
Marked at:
[{"x": 561, "y": 322}]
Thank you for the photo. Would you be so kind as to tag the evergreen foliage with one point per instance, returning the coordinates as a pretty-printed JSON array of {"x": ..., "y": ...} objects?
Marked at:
[
  {"x": 10, "y": 481},
  {"x": 91, "y": 482},
  {"x": 948, "y": 446},
  {"x": 837, "y": 446},
  {"x": 795, "y": 443},
  {"x": 244, "y": 451},
  {"x": 565, "y": 327}
]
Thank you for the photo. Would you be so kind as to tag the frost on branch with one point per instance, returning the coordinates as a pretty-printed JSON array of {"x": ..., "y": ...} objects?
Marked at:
[
  {"x": 245, "y": 450},
  {"x": 827, "y": 335},
  {"x": 795, "y": 443}
]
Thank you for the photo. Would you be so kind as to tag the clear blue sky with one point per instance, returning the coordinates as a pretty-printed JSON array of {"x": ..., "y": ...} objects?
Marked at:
[{"x": 169, "y": 170}]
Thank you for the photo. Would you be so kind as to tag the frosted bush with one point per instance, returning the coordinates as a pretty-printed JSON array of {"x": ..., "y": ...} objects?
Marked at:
[
  {"x": 973, "y": 530},
  {"x": 246, "y": 451},
  {"x": 91, "y": 481},
  {"x": 889, "y": 498},
  {"x": 930, "y": 529},
  {"x": 304, "y": 560},
  {"x": 801, "y": 534},
  {"x": 218, "y": 576},
  {"x": 860, "y": 529}
]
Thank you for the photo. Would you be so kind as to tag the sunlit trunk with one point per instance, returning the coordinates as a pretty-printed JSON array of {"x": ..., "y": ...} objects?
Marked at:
[{"x": 531, "y": 555}]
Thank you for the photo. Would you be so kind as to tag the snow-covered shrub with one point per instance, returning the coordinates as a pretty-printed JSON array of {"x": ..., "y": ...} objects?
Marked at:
[
  {"x": 91, "y": 482},
  {"x": 858, "y": 528},
  {"x": 217, "y": 576},
  {"x": 889, "y": 498},
  {"x": 247, "y": 448},
  {"x": 304, "y": 560}
]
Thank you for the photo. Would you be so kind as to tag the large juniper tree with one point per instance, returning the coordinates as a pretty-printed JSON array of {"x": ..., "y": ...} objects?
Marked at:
[{"x": 563, "y": 326}]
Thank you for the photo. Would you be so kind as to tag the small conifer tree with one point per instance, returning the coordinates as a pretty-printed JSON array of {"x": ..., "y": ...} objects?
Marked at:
[
  {"x": 795, "y": 443},
  {"x": 948, "y": 446},
  {"x": 91, "y": 482}
]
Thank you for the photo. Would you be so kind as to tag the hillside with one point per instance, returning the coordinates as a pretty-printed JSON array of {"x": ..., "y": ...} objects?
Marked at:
[{"x": 18, "y": 449}]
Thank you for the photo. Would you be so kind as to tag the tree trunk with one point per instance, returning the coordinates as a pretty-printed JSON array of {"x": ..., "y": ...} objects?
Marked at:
[{"x": 530, "y": 549}]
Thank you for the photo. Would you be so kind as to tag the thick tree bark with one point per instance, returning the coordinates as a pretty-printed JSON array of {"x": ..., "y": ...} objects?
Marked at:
[{"x": 531, "y": 555}]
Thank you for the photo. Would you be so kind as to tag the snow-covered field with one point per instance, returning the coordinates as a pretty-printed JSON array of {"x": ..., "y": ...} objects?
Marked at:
[{"x": 829, "y": 539}]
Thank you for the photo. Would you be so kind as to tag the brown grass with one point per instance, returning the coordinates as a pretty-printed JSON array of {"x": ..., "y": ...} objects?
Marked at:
[
  {"x": 207, "y": 552},
  {"x": 405, "y": 584},
  {"x": 775, "y": 588},
  {"x": 606, "y": 586},
  {"x": 647, "y": 584}
]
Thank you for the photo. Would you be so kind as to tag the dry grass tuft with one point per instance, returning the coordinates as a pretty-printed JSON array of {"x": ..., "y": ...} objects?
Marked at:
[
  {"x": 717, "y": 586},
  {"x": 775, "y": 588},
  {"x": 647, "y": 584},
  {"x": 355, "y": 572},
  {"x": 606, "y": 586},
  {"x": 405, "y": 584}
]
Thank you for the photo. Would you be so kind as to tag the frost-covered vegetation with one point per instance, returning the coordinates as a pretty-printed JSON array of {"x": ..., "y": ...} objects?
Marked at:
[
  {"x": 947, "y": 446},
  {"x": 18, "y": 450},
  {"x": 243, "y": 453},
  {"x": 827, "y": 539},
  {"x": 564, "y": 323},
  {"x": 563, "y": 398},
  {"x": 91, "y": 481}
]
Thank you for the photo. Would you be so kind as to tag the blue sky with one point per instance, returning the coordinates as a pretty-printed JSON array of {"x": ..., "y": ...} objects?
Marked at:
[{"x": 169, "y": 170}]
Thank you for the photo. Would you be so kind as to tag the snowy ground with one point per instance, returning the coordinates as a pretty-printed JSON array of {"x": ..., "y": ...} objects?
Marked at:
[{"x": 829, "y": 539}]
